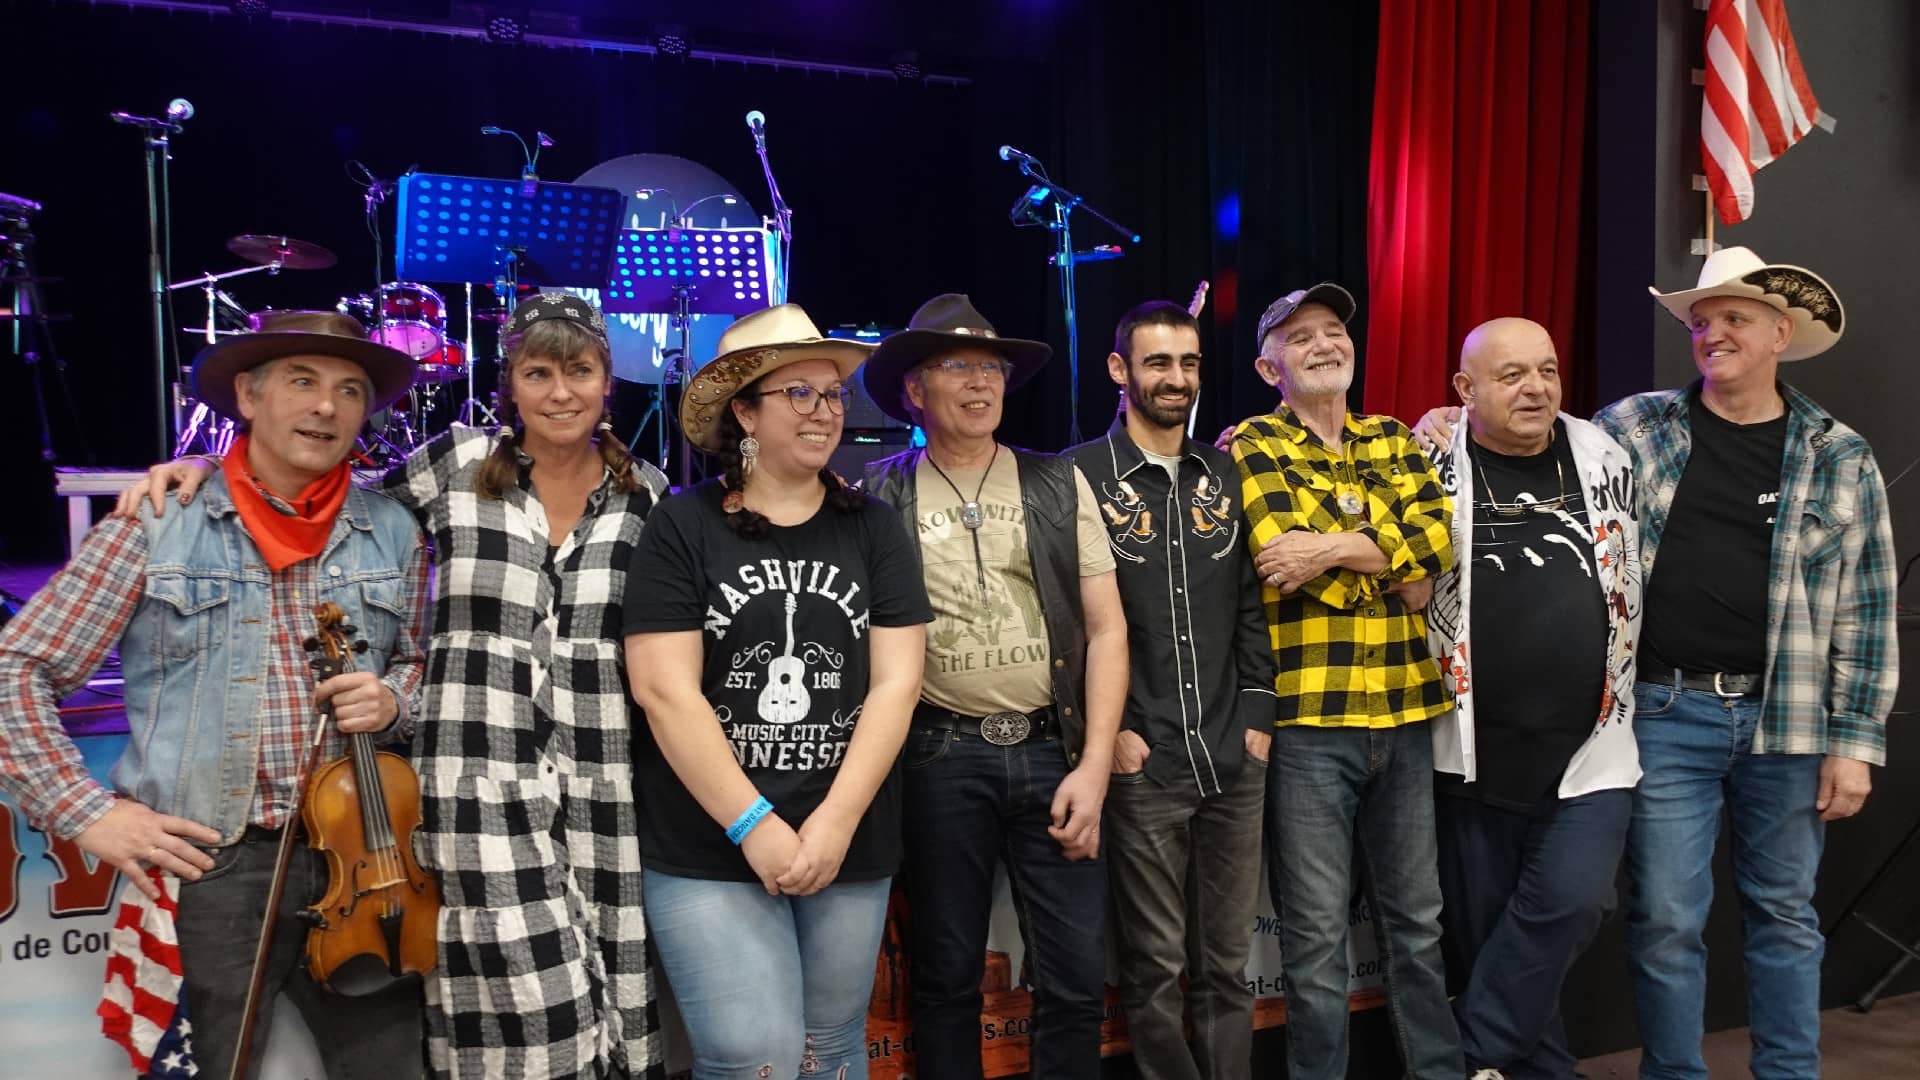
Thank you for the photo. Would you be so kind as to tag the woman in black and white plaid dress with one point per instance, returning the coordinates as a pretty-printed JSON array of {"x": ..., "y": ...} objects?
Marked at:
[{"x": 523, "y": 744}]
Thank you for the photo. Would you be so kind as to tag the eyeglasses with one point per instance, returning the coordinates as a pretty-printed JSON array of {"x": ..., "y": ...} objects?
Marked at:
[
  {"x": 806, "y": 400},
  {"x": 993, "y": 367}
]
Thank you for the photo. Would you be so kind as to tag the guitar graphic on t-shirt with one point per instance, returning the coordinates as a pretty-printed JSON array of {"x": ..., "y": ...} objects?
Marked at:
[{"x": 785, "y": 700}]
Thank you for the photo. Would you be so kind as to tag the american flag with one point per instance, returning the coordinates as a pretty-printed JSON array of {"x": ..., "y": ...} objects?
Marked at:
[
  {"x": 142, "y": 1007},
  {"x": 1757, "y": 103}
]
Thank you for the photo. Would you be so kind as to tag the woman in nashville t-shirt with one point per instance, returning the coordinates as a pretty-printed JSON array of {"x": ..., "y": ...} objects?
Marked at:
[{"x": 775, "y": 628}]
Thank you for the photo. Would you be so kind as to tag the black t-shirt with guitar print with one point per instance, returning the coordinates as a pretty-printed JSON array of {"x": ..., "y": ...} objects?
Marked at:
[{"x": 785, "y": 621}]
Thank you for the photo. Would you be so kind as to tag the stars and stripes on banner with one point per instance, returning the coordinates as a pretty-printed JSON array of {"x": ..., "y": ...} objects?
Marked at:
[
  {"x": 142, "y": 1007},
  {"x": 1757, "y": 102}
]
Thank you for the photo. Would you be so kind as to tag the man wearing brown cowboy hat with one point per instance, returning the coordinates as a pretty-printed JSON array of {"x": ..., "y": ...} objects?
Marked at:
[
  {"x": 1026, "y": 675},
  {"x": 1767, "y": 660},
  {"x": 209, "y": 609}
]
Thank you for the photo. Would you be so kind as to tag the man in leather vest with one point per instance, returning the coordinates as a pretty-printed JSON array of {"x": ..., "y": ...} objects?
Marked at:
[
  {"x": 1025, "y": 680},
  {"x": 208, "y": 607}
]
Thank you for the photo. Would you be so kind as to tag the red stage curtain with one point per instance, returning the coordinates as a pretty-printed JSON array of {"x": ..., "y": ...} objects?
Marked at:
[{"x": 1474, "y": 200}]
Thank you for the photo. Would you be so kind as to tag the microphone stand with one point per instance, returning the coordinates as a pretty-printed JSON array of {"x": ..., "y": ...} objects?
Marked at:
[
  {"x": 1064, "y": 258},
  {"x": 782, "y": 213},
  {"x": 156, "y": 134}
]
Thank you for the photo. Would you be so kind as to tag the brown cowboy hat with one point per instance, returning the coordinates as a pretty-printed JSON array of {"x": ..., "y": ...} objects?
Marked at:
[
  {"x": 300, "y": 333},
  {"x": 943, "y": 324},
  {"x": 751, "y": 347}
]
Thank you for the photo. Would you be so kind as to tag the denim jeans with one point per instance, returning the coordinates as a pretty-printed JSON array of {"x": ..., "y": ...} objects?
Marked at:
[
  {"x": 769, "y": 986},
  {"x": 1696, "y": 750},
  {"x": 1525, "y": 893},
  {"x": 1185, "y": 874},
  {"x": 970, "y": 804},
  {"x": 378, "y": 1035},
  {"x": 1336, "y": 796}
]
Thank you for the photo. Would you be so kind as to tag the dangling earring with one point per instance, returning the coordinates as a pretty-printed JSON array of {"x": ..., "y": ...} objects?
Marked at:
[{"x": 749, "y": 450}]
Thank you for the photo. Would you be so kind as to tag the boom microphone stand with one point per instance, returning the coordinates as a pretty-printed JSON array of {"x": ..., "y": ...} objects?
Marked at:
[
  {"x": 1027, "y": 211},
  {"x": 156, "y": 133}
]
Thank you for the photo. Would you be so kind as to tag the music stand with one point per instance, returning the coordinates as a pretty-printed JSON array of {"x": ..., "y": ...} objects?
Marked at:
[
  {"x": 473, "y": 228},
  {"x": 682, "y": 271},
  {"x": 462, "y": 228}
]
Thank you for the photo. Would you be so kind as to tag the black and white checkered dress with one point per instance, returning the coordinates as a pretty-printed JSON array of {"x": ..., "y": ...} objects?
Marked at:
[{"x": 526, "y": 779}]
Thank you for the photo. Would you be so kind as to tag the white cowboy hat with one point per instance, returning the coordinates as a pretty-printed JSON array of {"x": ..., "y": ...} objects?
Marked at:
[{"x": 1799, "y": 293}]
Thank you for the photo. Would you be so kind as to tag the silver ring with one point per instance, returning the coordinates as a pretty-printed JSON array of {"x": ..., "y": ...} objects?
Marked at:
[{"x": 150, "y": 851}]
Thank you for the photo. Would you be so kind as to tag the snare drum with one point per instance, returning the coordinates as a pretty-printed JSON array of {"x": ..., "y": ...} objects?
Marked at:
[
  {"x": 444, "y": 364},
  {"x": 410, "y": 317}
]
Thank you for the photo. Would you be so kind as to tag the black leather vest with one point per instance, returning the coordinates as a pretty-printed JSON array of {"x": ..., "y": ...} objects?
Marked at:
[{"x": 1049, "y": 500}]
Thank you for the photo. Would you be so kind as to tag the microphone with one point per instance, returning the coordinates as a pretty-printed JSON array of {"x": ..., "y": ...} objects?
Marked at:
[
  {"x": 179, "y": 110},
  {"x": 491, "y": 129},
  {"x": 541, "y": 138},
  {"x": 1018, "y": 157},
  {"x": 757, "y": 122}
]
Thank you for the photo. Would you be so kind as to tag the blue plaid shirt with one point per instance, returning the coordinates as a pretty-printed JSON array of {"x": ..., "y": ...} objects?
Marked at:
[{"x": 1832, "y": 660}]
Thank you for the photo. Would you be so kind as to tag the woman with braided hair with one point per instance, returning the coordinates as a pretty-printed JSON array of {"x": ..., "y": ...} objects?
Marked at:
[
  {"x": 523, "y": 744},
  {"x": 776, "y": 632}
]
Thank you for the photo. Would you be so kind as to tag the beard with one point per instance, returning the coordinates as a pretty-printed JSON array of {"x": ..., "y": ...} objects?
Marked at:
[{"x": 1156, "y": 411}]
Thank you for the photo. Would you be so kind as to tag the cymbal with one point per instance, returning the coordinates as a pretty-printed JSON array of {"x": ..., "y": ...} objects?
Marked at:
[{"x": 291, "y": 254}]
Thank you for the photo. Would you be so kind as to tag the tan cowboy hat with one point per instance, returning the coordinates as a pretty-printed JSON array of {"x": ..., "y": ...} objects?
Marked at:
[
  {"x": 1799, "y": 293},
  {"x": 754, "y": 345},
  {"x": 300, "y": 333}
]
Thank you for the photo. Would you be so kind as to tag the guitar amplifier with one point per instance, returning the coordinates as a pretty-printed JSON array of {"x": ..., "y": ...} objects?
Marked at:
[
  {"x": 863, "y": 416},
  {"x": 860, "y": 446}
]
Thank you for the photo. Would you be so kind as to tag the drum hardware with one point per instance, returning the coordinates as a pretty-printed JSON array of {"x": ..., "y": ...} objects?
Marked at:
[
  {"x": 197, "y": 426},
  {"x": 25, "y": 311},
  {"x": 472, "y": 409}
]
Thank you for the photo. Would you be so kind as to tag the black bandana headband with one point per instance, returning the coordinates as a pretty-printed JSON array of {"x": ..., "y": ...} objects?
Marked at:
[{"x": 557, "y": 305}]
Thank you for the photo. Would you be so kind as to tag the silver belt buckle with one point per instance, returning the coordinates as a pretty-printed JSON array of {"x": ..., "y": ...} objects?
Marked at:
[
  {"x": 1005, "y": 728},
  {"x": 1718, "y": 691}
]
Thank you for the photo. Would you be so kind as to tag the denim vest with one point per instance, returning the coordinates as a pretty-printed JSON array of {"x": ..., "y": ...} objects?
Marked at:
[
  {"x": 195, "y": 653},
  {"x": 1050, "y": 499}
]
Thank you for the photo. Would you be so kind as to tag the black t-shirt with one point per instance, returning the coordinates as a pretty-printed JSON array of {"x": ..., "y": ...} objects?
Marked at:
[
  {"x": 785, "y": 624},
  {"x": 1706, "y": 603},
  {"x": 1539, "y": 626}
]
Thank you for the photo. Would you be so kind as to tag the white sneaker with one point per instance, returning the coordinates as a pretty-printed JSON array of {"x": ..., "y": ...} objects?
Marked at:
[{"x": 1488, "y": 1074}]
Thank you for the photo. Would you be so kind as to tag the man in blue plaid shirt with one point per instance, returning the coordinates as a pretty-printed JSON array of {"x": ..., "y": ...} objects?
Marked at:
[{"x": 1767, "y": 662}]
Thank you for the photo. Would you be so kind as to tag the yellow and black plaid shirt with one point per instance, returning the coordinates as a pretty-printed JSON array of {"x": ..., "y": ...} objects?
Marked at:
[{"x": 1350, "y": 654}]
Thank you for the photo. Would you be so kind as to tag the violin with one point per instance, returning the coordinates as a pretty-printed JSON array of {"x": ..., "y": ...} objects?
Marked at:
[{"x": 378, "y": 921}]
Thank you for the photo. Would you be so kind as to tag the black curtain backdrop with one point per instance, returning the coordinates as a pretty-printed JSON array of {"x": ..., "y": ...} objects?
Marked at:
[{"x": 1232, "y": 134}]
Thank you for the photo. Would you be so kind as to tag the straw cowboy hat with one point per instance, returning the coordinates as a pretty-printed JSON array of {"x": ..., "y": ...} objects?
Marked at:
[
  {"x": 1794, "y": 291},
  {"x": 754, "y": 345}
]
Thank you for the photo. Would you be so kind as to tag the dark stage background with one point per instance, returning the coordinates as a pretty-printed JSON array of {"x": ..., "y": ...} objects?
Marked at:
[{"x": 1172, "y": 118}]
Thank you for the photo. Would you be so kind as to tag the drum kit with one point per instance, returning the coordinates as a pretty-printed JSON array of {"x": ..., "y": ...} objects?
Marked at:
[{"x": 409, "y": 316}]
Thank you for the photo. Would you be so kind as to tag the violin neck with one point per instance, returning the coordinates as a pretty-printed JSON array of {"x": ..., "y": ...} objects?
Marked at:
[{"x": 375, "y": 822}]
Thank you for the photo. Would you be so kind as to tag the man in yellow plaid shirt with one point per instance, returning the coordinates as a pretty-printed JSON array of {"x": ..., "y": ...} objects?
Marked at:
[{"x": 1349, "y": 527}]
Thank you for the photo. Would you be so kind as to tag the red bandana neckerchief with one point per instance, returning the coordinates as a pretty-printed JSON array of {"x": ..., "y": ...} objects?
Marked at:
[{"x": 285, "y": 530}]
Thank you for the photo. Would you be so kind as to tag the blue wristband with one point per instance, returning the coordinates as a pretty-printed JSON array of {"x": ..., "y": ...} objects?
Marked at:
[{"x": 748, "y": 819}]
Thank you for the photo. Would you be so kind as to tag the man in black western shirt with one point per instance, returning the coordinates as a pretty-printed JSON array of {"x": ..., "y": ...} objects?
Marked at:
[{"x": 1189, "y": 765}]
